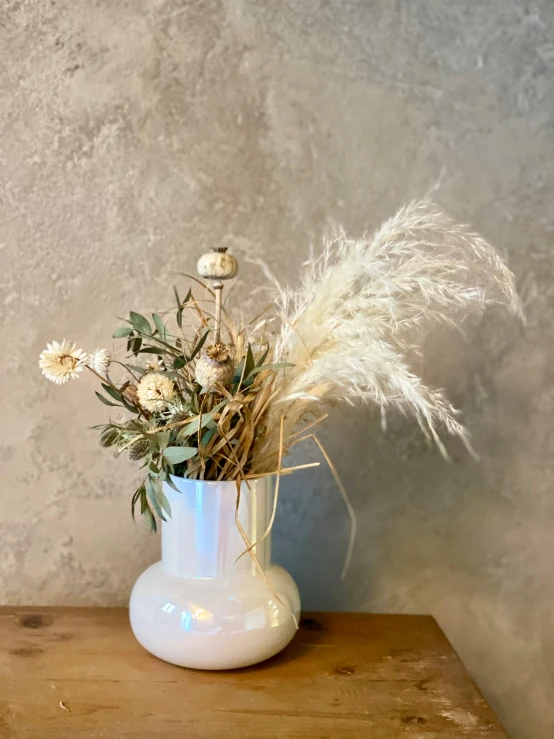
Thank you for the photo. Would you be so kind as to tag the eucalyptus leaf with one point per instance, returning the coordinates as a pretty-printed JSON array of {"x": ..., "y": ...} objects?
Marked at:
[
  {"x": 166, "y": 477},
  {"x": 143, "y": 501},
  {"x": 116, "y": 395},
  {"x": 179, "y": 362},
  {"x": 200, "y": 422},
  {"x": 140, "y": 323},
  {"x": 122, "y": 331},
  {"x": 152, "y": 350},
  {"x": 177, "y": 454},
  {"x": 159, "y": 325},
  {"x": 165, "y": 503},
  {"x": 105, "y": 400},
  {"x": 207, "y": 436},
  {"x": 150, "y": 520},
  {"x": 152, "y": 493},
  {"x": 162, "y": 439},
  {"x": 136, "y": 368},
  {"x": 136, "y": 496}
]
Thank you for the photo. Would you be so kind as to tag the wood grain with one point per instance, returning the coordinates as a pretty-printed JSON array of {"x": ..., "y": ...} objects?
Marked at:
[{"x": 344, "y": 676}]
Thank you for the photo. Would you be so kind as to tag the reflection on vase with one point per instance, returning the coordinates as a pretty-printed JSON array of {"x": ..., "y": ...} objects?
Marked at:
[{"x": 206, "y": 604}]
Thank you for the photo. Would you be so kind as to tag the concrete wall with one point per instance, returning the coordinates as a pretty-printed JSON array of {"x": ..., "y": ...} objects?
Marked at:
[{"x": 134, "y": 135}]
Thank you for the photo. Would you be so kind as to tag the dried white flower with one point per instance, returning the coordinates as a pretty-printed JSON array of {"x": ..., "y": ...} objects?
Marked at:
[
  {"x": 60, "y": 362},
  {"x": 155, "y": 392},
  {"x": 99, "y": 361}
]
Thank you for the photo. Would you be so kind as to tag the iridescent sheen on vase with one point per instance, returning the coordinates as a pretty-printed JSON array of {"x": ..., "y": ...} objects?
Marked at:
[{"x": 206, "y": 604}]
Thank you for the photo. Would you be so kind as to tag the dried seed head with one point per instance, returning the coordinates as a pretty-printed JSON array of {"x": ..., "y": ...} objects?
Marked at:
[
  {"x": 219, "y": 352},
  {"x": 179, "y": 417},
  {"x": 216, "y": 367},
  {"x": 139, "y": 449},
  {"x": 217, "y": 265},
  {"x": 109, "y": 436}
]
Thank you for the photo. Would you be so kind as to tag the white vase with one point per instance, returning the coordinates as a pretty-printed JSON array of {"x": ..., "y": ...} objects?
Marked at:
[{"x": 204, "y": 605}]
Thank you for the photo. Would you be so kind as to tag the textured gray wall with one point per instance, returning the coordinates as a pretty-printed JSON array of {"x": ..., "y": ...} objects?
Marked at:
[{"x": 133, "y": 135}]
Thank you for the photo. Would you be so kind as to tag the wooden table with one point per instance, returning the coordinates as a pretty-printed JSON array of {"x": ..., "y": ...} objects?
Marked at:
[{"x": 78, "y": 672}]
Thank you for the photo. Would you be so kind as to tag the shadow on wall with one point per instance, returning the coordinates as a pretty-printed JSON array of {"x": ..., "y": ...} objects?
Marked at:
[
  {"x": 457, "y": 540},
  {"x": 417, "y": 514}
]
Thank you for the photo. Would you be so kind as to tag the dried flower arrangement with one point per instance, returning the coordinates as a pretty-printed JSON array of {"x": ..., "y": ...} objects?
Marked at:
[{"x": 216, "y": 402}]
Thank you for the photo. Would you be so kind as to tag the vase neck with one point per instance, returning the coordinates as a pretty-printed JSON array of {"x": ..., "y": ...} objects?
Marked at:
[{"x": 202, "y": 539}]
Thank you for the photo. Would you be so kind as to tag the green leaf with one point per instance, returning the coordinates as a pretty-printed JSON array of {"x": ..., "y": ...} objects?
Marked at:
[
  {"x": 200, "y": 344},
  {"x": 140, "y": 323},
  {"x": 159, "y": 325},
  {"x": 164, "y": 475},
  {"x": 192, "y": 428},
  {"x": 152, "y": 493},
  {"x": 143, "y": 501},
  {"x": 177, "y": 454},
  {"x": 165, "y": 503},
  {"x": 250, "y": 362},
  {"x": 262, "y": 359},
  {"x": 111, "y": 391},
  {"x": 152, "y": 350},
  {"x": 207, "y": 436},
  {"x": 122, "y": 331},
  {"x": 105, "y": 400},
  {"x": 134, "y": 345},
  {"x": 136, "y": 368},
  {"x": 179, "y": 308},
  {"x": 162, "y": 439},
  {"x": 150, "y": 520},
  {"x": 136, "y": 496},
  {"x": 238, "y": 372},
  {"x": 179, "y": 362}
]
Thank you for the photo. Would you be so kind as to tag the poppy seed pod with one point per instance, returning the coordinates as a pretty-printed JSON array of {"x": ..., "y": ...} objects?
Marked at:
[{"x": 217, "y": 265}]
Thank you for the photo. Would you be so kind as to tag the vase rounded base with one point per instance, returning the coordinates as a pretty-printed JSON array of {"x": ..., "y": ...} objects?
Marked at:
[{"x": 214, "y": 624}]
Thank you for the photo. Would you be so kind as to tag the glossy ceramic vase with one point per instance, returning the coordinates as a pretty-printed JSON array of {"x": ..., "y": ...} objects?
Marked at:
[{"x": 204, "y": 605}]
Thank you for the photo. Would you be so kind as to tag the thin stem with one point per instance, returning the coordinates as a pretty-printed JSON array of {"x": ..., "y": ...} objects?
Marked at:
[{"x": 218, "y": 289}]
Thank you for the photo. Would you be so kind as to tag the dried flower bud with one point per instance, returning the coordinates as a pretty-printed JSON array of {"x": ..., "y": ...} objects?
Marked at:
[
  {"x": 130, "y": 393},
  {"x": 139, "y": 449}
]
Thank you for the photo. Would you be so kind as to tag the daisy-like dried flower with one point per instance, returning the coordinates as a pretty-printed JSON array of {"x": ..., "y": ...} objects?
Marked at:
[
  {"x": 60, "y": 362},
  {"x": 99, "y": 361},
  {"x": 155, "y": 391}
]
